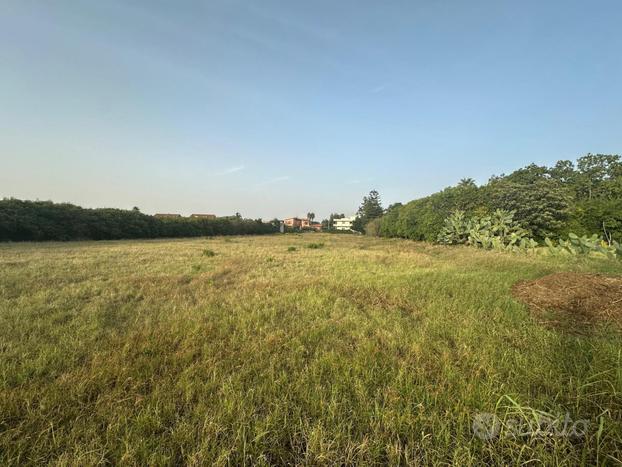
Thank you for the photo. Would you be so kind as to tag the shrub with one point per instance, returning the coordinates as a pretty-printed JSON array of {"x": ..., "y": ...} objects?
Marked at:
[
  {"x": 498, "y": 231},
  {"x": 373, "y": 228},
  {"x": 291, "y": 248},
  {"x": 584, "y": 245},
  {"x": 315, "y": 246},
  {"x": 456, "y": 229}
]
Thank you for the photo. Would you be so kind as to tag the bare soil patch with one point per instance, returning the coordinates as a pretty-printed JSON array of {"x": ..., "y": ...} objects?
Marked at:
[{"x": 573, "y": 301}]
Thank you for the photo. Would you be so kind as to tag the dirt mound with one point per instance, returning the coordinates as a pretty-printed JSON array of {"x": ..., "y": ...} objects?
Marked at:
[{"x": 573, "y": 301}]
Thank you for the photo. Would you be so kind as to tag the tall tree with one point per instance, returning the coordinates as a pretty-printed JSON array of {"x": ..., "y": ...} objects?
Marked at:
[
  {"x": 467, "y": 183},
  {"x": 563, "y": 172},
  {"x": 370, "y": 209},
  {"x": 594, "y": 171}
]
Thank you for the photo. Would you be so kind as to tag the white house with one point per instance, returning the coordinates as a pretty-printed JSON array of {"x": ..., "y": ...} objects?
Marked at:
[{"x": 343, "y": 224}]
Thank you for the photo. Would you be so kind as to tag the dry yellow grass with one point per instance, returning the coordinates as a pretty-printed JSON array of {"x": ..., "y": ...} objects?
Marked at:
[{"x": 362, "y": 351}]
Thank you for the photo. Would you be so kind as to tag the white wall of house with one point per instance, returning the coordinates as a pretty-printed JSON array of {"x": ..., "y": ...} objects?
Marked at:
[{"x": 343, "y": 224}]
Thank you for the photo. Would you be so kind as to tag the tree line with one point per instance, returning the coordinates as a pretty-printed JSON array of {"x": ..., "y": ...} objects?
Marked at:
[
  {"x": 44, "y": 220},
  {"x": 582, "y": 197}
]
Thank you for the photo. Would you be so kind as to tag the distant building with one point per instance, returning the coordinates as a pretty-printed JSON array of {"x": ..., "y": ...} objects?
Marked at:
[
  {"x": 167, "y": 216},
  {"x": 203, "y": 216},
  {"x": 296, "y": 223},
  {"x": 344, "y": 223},
  {"x": 293, "y": 222}
]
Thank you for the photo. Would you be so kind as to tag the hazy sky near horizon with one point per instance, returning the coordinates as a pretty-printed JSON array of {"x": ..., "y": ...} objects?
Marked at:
[{"x": 277, "y": 108}]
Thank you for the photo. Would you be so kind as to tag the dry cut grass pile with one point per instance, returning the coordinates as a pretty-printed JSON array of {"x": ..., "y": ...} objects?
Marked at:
[{"x": 573, "y": 300}]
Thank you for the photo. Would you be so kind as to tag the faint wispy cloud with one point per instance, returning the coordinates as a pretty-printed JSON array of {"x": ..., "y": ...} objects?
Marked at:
[
  {"x": 274, "y": 180},
  {"x": 379, "y": 88},
  {"x": 231, "y": 170}
]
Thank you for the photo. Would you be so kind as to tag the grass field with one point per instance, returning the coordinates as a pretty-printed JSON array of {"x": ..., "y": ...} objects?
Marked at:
[{"x": 265, "y": 351}]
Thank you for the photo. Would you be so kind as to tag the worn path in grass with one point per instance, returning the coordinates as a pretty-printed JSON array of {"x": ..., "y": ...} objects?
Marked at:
[{"x": 360, "y": 351}]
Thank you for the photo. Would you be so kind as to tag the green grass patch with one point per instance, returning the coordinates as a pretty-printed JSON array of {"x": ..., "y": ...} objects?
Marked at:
[{"x": 110, "y": 352}]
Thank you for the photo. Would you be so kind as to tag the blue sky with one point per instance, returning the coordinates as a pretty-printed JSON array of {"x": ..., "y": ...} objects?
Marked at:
[{"x": 277, "y": 108}]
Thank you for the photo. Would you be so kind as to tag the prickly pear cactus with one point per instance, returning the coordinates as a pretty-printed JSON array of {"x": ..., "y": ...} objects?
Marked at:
[{"x": 500, "y": 231}]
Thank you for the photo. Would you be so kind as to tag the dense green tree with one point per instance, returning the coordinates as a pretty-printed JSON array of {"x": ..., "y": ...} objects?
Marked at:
[
  {"x": 598, "y": 215},
  {"x": 370, "y": 209},
  {"x": 594, "y": 170},
  {"x": 423, "y": 219},
  {"x": 44, "y": 220},
  {"x": 583, "y": 198},
  {"x": 530, "y": 174},
  {"x": 541, "y": 206},
  {"x": 564, "y": 172},
  {"x": 388, "y": 225}
]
